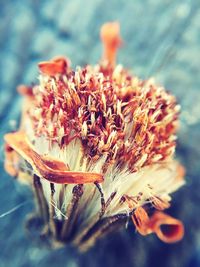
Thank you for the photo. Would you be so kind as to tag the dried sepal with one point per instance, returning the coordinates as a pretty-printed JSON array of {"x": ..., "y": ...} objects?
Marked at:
[{"x": 52, "y": 170}]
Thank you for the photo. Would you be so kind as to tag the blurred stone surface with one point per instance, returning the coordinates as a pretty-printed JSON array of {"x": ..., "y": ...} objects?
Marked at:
[{"x": 161, "y": 39}]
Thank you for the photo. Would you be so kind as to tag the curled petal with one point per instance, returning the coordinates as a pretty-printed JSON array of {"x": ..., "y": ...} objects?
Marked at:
[
  {"x": 54, "y": 171},
  {"x": 110, "y": 36},
  {"x": 167, "y": 228}
]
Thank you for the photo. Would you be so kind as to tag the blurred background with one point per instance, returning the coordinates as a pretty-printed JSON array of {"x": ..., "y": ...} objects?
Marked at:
[{"x": 161, "y": 39}]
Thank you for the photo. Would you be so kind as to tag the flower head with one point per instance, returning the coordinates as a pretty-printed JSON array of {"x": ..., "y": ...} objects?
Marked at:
[{"x": 107, "y": 135}]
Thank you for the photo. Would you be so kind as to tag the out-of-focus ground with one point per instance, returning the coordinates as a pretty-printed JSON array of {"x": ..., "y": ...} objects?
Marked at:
[{"x": 161, "y": 39}]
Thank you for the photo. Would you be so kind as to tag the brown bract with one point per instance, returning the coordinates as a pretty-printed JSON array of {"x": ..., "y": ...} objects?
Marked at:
[{"x": 52, "y": 170}]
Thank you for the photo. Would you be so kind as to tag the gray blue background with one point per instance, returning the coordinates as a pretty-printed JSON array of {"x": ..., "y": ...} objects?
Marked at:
[{"x": 161, "y": 39}]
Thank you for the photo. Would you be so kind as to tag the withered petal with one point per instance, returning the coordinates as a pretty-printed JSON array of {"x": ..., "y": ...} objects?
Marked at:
[
  {"x": 52, "y": 170},
  {"x": 53, "y": 67},
  {"x": 140, "y": 219},
  {"x": 167, "y": 228}
]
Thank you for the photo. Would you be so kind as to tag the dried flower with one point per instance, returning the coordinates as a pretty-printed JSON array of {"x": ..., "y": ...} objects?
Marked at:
[{"x": 97, "y": 146}]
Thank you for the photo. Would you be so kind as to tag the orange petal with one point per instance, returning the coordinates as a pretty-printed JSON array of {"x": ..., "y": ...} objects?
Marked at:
[
  {"x": 167, "y": 228},
  {"x": 110, "y": 36},
  {"x": 54, "y": 66},
  {"x": 52, "y": 170},
  {"x": 140, "y": 219}
]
